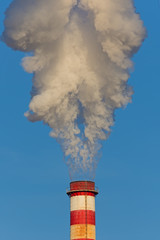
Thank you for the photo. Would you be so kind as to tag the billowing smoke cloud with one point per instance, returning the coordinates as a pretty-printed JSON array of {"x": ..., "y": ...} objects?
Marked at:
[{"x": 80, "y": 54}]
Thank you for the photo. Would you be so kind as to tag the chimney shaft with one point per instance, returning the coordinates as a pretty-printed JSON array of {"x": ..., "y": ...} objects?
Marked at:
[{"x": 82, "y": 210}]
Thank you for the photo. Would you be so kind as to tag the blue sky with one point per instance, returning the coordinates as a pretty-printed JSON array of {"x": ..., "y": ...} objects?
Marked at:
[{"x": 34, "y": 178}]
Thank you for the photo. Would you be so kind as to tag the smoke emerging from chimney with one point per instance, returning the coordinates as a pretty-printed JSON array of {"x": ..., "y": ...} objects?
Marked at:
[{"x": 80, "y": 53}]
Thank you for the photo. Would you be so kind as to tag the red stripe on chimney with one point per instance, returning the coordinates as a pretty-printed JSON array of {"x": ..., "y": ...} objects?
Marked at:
[
  {"x": 82, "y": 217},
  {"x": 82, "y": 193}
]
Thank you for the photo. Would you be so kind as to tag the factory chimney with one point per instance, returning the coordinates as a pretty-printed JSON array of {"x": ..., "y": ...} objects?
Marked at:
[{"x": 82, "y": 210}]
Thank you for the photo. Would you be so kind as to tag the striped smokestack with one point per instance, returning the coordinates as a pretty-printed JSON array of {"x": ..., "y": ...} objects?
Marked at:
[{"x": 82, "y": 210}]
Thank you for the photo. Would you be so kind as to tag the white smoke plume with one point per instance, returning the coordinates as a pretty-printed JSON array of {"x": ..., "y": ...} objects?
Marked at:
[{"x": 80, "y": 54}]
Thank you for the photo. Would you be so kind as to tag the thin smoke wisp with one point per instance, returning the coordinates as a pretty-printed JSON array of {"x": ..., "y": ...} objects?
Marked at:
[{"x": 80, "y": 54}]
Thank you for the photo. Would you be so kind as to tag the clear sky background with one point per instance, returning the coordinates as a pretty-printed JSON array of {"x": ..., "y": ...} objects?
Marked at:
[{"x": 34, "y": 178}]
